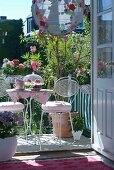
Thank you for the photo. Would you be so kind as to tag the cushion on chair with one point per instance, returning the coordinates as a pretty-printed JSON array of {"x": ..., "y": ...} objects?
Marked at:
[
  {"x": 56, "y": 106},
  {"x": 11, "y": 106}
]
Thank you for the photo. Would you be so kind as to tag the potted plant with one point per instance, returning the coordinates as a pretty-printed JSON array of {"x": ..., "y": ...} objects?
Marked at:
[
  {"x": 12, "y": 67},
  {"x": 9, "y": 123},
  {"x": 78, "y": 126}
]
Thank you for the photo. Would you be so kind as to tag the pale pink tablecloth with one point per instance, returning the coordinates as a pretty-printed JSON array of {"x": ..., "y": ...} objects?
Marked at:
[{"x": 40, "y": 96}]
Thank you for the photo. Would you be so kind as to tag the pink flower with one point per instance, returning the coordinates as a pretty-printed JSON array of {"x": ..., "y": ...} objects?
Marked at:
[
  {"x": 101, "y": 64},
  {"x": 65, "y": 38},
  {"x": 21, "y": 65},
  {"x": 81, "y": 68},
  {"x": 32, "y": 49},
  {"x": 34, "y": 65},
  {"x": 15, "y": 62}
]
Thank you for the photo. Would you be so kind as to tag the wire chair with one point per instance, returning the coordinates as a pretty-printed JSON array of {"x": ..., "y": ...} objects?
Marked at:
[{"x": 66, "y": 87}]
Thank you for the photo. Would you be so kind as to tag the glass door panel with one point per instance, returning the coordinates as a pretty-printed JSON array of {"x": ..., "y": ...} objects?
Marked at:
[
  {"x": 104, "y": 23},
  {"x": 104, "y": 5},
  {"x": 104, "y": 56}
]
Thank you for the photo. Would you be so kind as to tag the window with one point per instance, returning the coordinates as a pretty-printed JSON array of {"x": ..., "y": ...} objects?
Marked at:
[
  {"x": 104, "y": 5},
  {"x": 29, "y": 25}
]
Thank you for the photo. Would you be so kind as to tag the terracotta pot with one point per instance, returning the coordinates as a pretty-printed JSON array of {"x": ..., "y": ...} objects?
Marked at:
[{"x": 65, "y": 124}]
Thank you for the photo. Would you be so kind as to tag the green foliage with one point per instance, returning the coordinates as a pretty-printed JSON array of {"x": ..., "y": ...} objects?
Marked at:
[
  {"x": 11, "y": 48},
  {"x": 78, "y": 123},
  {"x": 83, "y": 75},
  {"x": 84, "y": 78},
  {"x": 13, "y": 67},
  {"x": 64, "y": 54},
  {"x": 36, "y": 117},
  {"x": 32, "y": 41},
  {"x": 36, "y": 120}
]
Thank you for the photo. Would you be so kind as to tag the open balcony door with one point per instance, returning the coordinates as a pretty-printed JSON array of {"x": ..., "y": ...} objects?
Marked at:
[{"x": 103, "y": 77}]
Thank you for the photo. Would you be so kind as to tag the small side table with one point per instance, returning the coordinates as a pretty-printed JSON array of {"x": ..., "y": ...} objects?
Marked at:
[{"x": 41, "y": 96}]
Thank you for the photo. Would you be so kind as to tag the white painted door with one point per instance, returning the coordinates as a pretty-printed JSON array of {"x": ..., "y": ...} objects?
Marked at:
[{"x": 103, "y": 77}]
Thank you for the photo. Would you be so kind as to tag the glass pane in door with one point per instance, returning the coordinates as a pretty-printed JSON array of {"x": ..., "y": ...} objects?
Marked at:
[
  {"x": 104, "y": 57},
  {"x": 104, "y": 28},
  {"x": 104, "y": 5}
]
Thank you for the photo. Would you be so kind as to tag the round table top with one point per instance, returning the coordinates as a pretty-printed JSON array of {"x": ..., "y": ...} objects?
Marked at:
[{"x": 40, "y": 96}]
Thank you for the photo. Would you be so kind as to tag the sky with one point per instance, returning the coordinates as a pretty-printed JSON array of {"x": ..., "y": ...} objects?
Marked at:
[{"x": 15, "y": 9}]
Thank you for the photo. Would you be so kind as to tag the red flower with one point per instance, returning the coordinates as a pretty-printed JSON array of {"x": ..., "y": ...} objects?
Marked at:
[
  {"x": 65, "y": 38},
  {"x": 15, "y": 62},
  {"x": 71, "y": 7},
  {"x": 34, "y": 1},
  {"x": 101, "y": 64},
  {"x": 41, "y": 32},
  {"x": 42, "y": 23},
  {"x": 81, "y": 68}
]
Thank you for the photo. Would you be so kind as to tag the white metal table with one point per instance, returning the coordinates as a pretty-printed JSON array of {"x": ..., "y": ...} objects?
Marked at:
[{"x": 41, "y": 96}]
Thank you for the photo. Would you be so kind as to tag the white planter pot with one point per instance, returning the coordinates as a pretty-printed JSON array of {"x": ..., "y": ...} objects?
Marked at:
[
  {"x": 77, "y": 135},
  {"x": 8, "y": 148}
]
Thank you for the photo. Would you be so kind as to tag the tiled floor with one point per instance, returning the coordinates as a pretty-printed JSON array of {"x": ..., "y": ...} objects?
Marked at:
[{"x": 49, "y": 143}]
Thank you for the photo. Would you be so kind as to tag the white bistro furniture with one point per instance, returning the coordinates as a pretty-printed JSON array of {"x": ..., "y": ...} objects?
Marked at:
[
  {"x": 8, "y": 105},
  {"x": 11, "y": 106},
  {"x": 41, "y": 96},
  {"x": 65, "y": 87}
]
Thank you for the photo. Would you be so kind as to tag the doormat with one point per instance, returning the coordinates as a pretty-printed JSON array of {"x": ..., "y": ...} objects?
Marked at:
[{"x": 88, "y": 163}]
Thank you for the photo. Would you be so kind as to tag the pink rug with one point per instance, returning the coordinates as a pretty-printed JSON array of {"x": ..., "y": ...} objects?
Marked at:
[{"x": 90, "y": 163}]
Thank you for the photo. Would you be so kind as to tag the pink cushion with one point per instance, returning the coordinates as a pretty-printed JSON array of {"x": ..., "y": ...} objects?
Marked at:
[
  {"x": 11, "y": 106},
  {"x": 56, "y": 106}
]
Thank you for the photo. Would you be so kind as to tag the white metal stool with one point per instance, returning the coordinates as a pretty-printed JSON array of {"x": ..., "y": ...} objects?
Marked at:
[
  {"x": 8, "y": 105},
  {"x": 65, "y": 87},
  {"x": 11, "y": 106}
]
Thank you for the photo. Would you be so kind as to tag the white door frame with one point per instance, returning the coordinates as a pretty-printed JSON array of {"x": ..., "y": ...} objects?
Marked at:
[{"x": 94, "y": 72}]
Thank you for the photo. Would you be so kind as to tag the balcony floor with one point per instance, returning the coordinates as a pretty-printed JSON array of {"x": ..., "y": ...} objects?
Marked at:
[{"x": 49, "y": 143}]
